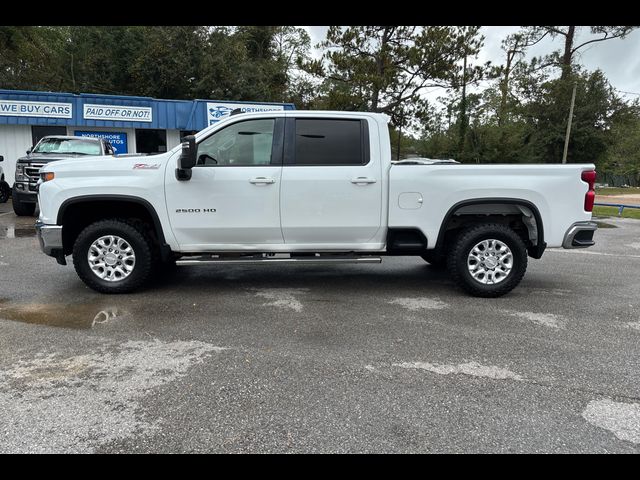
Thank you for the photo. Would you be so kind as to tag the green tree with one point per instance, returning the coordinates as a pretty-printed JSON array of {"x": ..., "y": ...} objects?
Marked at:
[
  {"x": 387, "y": 68},
  {"x": 596, "y": 109},
  {"x": 261, "y": 77},
  {"x": 28, "y": 58},
  {"x": 564, "y": 59},
  {"x": 99, "y": 59},
  {"x": 168, "y": 62},
  {"x": 259, "y": 63},
  {"x": 522, "y": 117},
  {"x": 469, "y": 75},
  {"x": 291, "y": 50},
  {"x": 623, "y": 155}
]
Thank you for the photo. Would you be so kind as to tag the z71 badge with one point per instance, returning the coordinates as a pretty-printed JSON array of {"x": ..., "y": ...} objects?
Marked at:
[{"x": 146, "y": 166}]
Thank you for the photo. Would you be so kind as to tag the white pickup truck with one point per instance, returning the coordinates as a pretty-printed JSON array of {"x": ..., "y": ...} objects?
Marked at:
[{"x": 307, "y": 187}]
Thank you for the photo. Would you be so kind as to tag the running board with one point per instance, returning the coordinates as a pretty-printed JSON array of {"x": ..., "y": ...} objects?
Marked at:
[{"x": 208, "y": 260}]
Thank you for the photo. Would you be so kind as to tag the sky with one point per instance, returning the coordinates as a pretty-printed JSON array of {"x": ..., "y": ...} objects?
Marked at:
[{"x": 618, "y": 59}]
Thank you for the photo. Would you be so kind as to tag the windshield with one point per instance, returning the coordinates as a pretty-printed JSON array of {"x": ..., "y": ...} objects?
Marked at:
[{"x": 68, "y": 145}]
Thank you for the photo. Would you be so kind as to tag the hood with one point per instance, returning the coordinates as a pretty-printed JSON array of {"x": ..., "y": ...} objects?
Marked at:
[
  {"x": 92, "y": 163},
  {"x": 49, "y": 157}
]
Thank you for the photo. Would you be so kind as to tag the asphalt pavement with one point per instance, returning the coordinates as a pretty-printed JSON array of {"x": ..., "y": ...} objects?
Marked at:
[{"x": 342, "y": 358}]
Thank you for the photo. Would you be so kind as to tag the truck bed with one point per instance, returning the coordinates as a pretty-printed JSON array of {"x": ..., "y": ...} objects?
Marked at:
[{"x": 422, "y": 195}]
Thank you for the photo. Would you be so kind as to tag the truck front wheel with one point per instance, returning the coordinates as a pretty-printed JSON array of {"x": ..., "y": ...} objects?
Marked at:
[
  {"x": 23, "y": 209},
  {"x": 5, "y": 191},
  {"x": 487, "y": 260},
  {"x": 113, "y": 256}
]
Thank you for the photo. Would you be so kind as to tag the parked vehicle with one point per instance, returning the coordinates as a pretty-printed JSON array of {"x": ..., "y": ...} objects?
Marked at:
[
  {"x": 50, "y": 149},
  {"x": 307, "y": 187},
  {"x": 5, "y": 189}
]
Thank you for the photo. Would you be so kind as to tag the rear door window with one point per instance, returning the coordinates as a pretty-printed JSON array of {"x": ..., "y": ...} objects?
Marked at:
[{"x": 330, "y": 142}]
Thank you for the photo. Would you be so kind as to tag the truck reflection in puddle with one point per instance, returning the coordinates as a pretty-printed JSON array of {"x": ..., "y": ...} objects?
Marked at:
[
  {"x": 13, "y": 231},
  {"x": 78, "y": 316}
]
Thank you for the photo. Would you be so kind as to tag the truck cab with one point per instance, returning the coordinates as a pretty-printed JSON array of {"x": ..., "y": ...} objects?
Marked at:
[{"x": 50, "y": 149}]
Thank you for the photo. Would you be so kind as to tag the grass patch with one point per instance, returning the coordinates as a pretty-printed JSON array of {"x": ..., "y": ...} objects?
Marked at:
[
  {"x": 617, "y": 190},
  {"x": 613, "y": 212}
]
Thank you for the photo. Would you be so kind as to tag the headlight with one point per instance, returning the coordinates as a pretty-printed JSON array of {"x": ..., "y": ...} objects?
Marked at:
[
  {"x": 46, "y": 176},
  {"x": 20, "y": 176}
]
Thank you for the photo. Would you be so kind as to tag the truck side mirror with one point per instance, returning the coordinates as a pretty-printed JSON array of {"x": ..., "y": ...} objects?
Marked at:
[
  {"x": 187, "y": 158},
  {"x": 1, "y": 158},
  {"x": 29, "y": 151}
]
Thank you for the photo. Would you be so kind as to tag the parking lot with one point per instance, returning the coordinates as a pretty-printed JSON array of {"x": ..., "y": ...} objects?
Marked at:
[{"x": 348, "y": 358}]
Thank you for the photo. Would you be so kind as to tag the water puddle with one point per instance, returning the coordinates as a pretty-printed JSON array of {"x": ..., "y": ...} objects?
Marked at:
[
  {"x": 78, "y": 316},
  {"x": 605, "y": 225},
  {"x": 19, "y": 231}
]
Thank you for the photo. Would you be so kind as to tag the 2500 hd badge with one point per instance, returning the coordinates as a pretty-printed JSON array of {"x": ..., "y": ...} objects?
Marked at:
[{"x": 195, "y": 210}]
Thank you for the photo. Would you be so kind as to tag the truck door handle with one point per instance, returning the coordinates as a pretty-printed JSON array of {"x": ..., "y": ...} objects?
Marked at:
[
  {"x": 363, "y": 180},
  {"x": 262, "y": 180}
]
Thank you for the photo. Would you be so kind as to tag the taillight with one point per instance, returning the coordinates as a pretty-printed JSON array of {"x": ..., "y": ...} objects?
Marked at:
[{"x": 590, "y": 197}]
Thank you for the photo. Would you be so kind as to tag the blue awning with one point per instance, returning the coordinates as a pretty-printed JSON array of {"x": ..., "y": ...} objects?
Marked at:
[{"x": 22, "y": 107}]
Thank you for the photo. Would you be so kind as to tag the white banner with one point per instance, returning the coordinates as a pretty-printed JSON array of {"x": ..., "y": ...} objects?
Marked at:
[
  {"x": 17, "y": 108},
  {"x": 117, "y": 112},
  {"x": 216, "y": 111}
]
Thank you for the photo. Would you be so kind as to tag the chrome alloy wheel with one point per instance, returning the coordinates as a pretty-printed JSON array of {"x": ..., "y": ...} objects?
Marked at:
[
  {"x": 490, "y": 261},
  {"x": 111, "y": 258}
]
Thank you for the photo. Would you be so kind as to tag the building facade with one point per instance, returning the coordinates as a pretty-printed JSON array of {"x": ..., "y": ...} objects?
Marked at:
[{"x": 131, "y": 124}]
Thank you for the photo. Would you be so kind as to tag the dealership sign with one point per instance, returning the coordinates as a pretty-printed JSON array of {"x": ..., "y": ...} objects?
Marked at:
[
  {"x": 14, "y": 108},
  {"x": 217, "y": 111},
  {"x": 117, "y": 139},
  {"x": 117, "y": 112}
]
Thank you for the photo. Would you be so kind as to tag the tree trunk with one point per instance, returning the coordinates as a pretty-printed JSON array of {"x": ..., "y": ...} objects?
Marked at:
[
  {"x": 463, "y": 109},
  {"x": 504, "y": 94},
  {"x": 504, "y": 89},
  {"x": 375, "y": 99},
  {"x": 73, "y": 76},
  {"x": 568, "y": 47},
  {"x": 375, "y": 95}
]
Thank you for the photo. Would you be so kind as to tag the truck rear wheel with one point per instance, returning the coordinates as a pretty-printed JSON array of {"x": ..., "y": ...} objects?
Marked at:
[
  {"x": 23, "y": 209},
  {"x": 488, "y": 260},
  {"x": 113, "y": 256}
]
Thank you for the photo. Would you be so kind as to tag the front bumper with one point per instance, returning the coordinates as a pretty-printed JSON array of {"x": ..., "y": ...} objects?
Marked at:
[
  {"x": 25, "y": 192},
  {"x": 50, "y": 238},
  {"x": 580, "y": 235}
]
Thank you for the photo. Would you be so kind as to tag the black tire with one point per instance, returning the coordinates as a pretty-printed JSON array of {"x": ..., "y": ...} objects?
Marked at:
[
  {"x": 129, "y": 231},
  {"x": 437, "y": 260},
  {"x": 23, "y": 209},
  {"x": 5, "y": 191},
  {"x": 169, "y": 267},
  {"x": 164, "y": 269},
  {"x": 464, "y": 243}
]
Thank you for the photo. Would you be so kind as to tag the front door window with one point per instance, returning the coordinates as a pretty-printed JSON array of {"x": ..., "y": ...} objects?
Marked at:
[{"x": 243, "y": 144}]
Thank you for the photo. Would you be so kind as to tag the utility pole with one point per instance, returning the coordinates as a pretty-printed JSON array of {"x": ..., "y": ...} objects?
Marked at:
[{"x": 566, "y": 138}]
